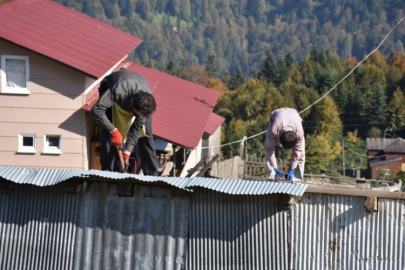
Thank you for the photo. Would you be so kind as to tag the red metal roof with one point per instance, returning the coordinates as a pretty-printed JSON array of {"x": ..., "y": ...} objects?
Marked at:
[
  {"x": 65, "y": 35},
  {"x": 214, "y": 122},
  {"x": 184, "y": 109}
]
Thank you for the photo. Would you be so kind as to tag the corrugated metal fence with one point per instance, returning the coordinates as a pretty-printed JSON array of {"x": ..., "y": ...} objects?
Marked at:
[{"x": 92, "y": 224}]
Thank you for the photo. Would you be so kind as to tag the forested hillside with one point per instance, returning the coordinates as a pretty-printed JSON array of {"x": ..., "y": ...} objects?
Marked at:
[{"x": 242, "y": 32}]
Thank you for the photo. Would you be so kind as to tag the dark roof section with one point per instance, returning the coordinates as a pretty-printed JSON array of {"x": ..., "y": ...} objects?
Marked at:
[
  {"x": 65, "y": 35},
  {"x": 377, "y": 162},
  {"x": 396, "y": 145}
]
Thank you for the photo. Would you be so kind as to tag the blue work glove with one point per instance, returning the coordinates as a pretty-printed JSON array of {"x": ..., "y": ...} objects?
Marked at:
[
  {"x": 278, "y": 172},
  {"x": 290, "y": 175}
]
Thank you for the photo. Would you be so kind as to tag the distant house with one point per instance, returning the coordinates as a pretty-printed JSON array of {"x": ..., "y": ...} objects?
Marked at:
[
  {"x": 386, "y": 157},
  {"x": 52, "y": 60}
]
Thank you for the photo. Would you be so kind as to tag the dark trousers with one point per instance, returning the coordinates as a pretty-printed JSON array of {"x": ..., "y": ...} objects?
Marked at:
[{"x": 146, "y": 146}]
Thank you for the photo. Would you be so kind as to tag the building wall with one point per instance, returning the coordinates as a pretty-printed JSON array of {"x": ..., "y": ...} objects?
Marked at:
[
  {"x": 193, "y": 158},
  {"x": 215, "y": 142},
  {"x": 393, "y": 168},
  {"x": 52, "y": 108},
  {"x": 396, "y": 167}
]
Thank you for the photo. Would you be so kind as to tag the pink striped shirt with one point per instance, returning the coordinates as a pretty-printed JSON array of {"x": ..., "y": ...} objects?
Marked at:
[{"x": 282, "y": 120}]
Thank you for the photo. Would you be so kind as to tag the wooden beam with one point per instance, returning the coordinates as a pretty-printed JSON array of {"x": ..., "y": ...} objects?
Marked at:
[
  {"x": 209, "y": 164},
  {"x": 197, "y": 166}
]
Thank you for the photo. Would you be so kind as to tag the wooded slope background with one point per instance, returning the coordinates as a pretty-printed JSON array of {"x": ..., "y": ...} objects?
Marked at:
[{"x": 242, "y": 32}]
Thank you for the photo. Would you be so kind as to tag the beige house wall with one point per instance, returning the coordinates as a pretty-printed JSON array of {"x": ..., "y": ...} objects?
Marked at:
[
  {"x": 52, "y": 108},
  {"x": 215, "y": 143}
]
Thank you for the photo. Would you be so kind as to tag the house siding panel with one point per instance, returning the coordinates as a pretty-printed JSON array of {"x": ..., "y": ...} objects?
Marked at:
[
  {"x": 72, "y": 131},
  {"x": 52, "y": 108},
  {"x": 39, "y": 160}
]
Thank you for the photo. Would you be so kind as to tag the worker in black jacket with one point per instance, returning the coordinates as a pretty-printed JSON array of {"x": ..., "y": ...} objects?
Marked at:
[{"x": 127, "y": 101}]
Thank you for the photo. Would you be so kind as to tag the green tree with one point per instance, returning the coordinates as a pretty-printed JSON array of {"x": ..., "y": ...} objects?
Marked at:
[
  {"x": 211, "y": 67},
  {"x": 318, "y": 155},
  {"x": 171, "y": 68},
  {"x": 396, "y": 111},
  {"x": 236, "y": 80},
  {"x": 326, "y": 121},
  {"x": 269, "y": 70}
]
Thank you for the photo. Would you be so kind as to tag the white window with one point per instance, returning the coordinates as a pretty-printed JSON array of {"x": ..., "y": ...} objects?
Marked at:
[
  {"x": 15, "y": 74},
  {"x": 52, "y": 144},
  {"x": 27, "y": 143}
]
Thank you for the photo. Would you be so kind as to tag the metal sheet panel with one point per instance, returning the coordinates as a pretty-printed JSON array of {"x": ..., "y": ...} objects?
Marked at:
[
  {"x": 145, "y": 231},
  {"x": 247, "y": 187},
  {"x": 37, "y": 227},
  {"x": 237, "y": 232},
  {"x": 336, "y": 232},
  {"x": 46, "y": 177},
  {"x": 48, "y": 228}
]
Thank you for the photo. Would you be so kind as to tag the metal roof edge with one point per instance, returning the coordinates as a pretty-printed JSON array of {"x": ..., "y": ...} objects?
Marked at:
[
  {"x": 374, "y": 163},
  {"x": 247, "y": 187},
  {"x": 48, "y": 177}
]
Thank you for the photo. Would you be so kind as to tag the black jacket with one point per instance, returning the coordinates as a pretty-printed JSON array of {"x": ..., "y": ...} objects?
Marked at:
[{"x": 122, "y": 85}]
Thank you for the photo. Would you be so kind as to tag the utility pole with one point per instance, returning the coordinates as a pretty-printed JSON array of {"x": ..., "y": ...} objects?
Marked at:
[{"x": 344, "y": 169}]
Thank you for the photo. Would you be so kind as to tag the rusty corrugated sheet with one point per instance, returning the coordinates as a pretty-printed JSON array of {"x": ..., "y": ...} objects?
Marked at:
[
  {"x": 237, "y": 232},
  {"x": 49, "y": 228},
  {"x": 336, "y": 232}
]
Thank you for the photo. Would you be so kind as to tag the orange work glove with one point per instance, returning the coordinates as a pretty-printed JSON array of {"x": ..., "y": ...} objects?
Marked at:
[
  {"x": 126, "y": 156},
  {"x": 116, "y": 138}
]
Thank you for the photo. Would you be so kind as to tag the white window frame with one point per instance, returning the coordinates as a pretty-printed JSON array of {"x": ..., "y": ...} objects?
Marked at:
[
  {"x": 52, "y": 150},
  {"x": 14, "y": 90},
  {"x": 27, "y": 149}
]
